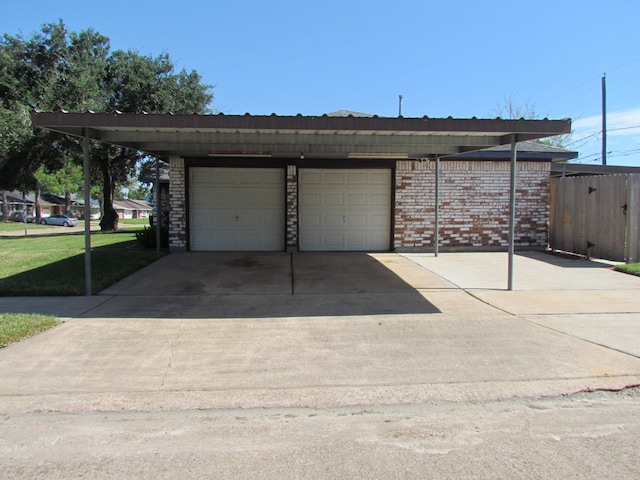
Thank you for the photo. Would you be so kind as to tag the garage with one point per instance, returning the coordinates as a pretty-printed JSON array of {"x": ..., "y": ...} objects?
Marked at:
[
  {"x": 344, "y": 209},
  {"x": 236, "y": 209}
]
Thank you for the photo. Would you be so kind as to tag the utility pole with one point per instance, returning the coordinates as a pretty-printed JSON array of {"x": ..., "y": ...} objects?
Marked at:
[{"x": 604, "y": 118}]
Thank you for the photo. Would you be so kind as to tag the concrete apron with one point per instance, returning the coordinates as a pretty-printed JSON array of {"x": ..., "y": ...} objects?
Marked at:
[{"x": 306, "y": 330}]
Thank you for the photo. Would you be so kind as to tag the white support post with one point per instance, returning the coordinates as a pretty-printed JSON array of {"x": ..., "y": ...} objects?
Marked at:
[
  {"x": 158, "y": 220},
  {"x": 512, "y": 209},
  {"x": 436, "y": 233},
  {"x": 87, "y": 215}
]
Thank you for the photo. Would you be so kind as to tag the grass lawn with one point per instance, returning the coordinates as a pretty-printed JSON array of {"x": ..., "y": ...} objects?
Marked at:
[
  {"x": 134, "y": 221},
  {"x": 52, "y": 265},
  {"x": 19, "y": 227},
  {"x": 632, "y": 268},
  {"x": 17, "y": 326}
]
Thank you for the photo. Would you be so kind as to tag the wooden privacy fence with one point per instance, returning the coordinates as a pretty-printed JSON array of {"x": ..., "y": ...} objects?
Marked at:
[{"x": 597, "y": 216}]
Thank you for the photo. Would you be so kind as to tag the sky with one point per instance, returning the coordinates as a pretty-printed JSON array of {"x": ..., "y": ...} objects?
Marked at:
[{"x": 458, "y": 58}]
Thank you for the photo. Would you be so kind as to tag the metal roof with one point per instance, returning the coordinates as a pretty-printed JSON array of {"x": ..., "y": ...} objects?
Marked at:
[
  {"x": 528, "y": 150},
  {"x": 567, "y": 169},
  {"x": 292, "y": 136}
]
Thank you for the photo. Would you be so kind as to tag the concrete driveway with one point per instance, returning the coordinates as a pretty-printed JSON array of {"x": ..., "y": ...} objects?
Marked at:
[
  {"x": 200, "y": 330},
  {"x": 331, "y": 366},
  {"x": 266, "y": 285}
]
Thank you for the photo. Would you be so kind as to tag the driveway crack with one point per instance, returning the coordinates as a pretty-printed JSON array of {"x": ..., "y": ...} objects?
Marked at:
[{"x": 171, "y": 354}]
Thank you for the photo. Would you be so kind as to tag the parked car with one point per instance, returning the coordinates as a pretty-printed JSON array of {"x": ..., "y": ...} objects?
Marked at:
[
  {"x": 19, "y": 217},
  {"x": 60, "y": 220}
]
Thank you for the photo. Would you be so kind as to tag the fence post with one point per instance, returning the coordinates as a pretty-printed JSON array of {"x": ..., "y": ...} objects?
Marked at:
[{"x": 632, "y": 237}]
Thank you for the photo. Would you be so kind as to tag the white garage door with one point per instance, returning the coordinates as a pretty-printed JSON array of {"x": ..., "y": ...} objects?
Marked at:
[
  {"x": 236, "y": 209},
  {"x": 344, "y": 209}
]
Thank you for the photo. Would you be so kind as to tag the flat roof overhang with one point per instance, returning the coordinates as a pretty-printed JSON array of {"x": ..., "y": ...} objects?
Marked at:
[
  {"x": 162, "y": 135},
  {"x": 576, "y": 169}
]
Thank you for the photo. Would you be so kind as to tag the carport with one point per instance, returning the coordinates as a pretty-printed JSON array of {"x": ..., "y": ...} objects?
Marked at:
[{"x": 297, "y": 146}]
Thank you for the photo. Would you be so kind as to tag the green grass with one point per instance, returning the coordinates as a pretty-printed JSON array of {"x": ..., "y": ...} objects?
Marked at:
[
  {"x": 34, "y": 227},
  {"x": 134, "y": 221},
  {"x": 632, "y": 268},
  {"x": 53, "y": 265},
  {"x": 17, "y": 326},
  {"x": 17, "y": 226}
]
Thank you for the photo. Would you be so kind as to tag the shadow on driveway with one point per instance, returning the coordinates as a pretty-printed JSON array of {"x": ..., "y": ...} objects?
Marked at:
[{"x": 266, "y": 285}]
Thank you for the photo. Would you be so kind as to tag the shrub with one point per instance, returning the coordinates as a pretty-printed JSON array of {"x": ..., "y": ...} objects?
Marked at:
[{"x": 147, "y": 237}]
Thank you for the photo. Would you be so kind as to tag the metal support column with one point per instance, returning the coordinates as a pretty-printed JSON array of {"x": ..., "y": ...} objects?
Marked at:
[
  {"x": 512, "y": 208},
  {"x": 158, "y": 221},
  {"x": 87, "y": 215},
  {"x": 436, "y": 233},
  {"x": 604, "y": 119}
]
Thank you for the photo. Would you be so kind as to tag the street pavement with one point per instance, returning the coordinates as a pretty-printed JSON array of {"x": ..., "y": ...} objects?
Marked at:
[{"x": 303, "y": 365}]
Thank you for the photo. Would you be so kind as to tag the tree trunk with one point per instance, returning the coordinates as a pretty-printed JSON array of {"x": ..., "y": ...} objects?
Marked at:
[
  {"x": 38, "y": 212},
  {"x": 109, "y": 220},
  {"x": 5, "y": 207},
  {"x": 67, "y": 202}
]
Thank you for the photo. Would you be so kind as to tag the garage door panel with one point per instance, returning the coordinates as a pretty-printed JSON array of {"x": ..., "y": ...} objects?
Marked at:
[
  {"x": 333, "y": 199},
  {"x": 357, "y": 178},
  {"x": 219, "y": 200},
  {"x": 201, "y": 179},
  {"x": 344, "y": 209},
  {"x": 379, "y": 178},
  {"x": 249, "y": 220},
  {"x": 331, "y": 220},
  {"x": 309, "y": 177},
  {"x": 248, "y": 199},
  {"x": 379, "y": 200},
  {"x": 271, "y": 177},
  {"x": 235, "y": 209},
  {"x": 355, "y": 220},
  {"x": 357, "y": 199},
  {"x": 332, "y": 240},
  {"x": 311, "y": 221},
  {"x": 357, "y": 240},
  {"x": 310, "y": 240},
  {"x": 224, "y": 177},
  {"x": 332, "y": 178},
  {"x": 272, "y": 200},
  {"x": 244, "y": 178},
  {"x": 379, "y": 220},
  {"x": 310, "y": 199}
]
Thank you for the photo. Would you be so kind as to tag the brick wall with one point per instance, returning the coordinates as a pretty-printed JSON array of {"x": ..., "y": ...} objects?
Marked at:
[
  {"x": 178, "y": 207},
  {"x": 292, "y": 207},
  {"x": 474, "y": 204}
]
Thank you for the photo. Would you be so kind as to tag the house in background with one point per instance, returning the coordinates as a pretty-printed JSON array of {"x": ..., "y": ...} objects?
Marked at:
[
  {"x": 335, "y": 183},
  {"x": 49, "y": 204},
  {"x": 17, "y": 202},
  {"x": 149, "y": 177},
  {"x": 132, "y": 209}
]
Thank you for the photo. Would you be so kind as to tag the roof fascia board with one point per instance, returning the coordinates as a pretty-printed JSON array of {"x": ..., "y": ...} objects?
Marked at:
[{"x": 176, "y": 122}]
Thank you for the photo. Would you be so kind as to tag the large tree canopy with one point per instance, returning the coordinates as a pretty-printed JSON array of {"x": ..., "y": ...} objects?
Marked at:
[{"x": 57, "y": 69}]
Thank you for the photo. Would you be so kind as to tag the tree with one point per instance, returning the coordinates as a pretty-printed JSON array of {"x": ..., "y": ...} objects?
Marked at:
[
  {"x": 52, "y": 70},
  {"x": 138, "y": 83},
  {"x": 62, "y": 182},
  {"x": 57, "y": 69},
  {"x": 510, "y": 109},
  {"x": 140, "y": 191}
]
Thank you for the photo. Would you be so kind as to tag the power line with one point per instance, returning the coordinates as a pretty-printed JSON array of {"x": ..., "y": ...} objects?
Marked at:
[
  {"x": 595, "y": 134},
  {"x": 610, "y": 154},
  {"x": 622, "y": 128},
  {"x": 590, "y": 80}
]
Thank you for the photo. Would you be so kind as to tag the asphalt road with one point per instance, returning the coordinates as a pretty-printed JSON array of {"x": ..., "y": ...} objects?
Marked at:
[{"x": 586, "y": 435}]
